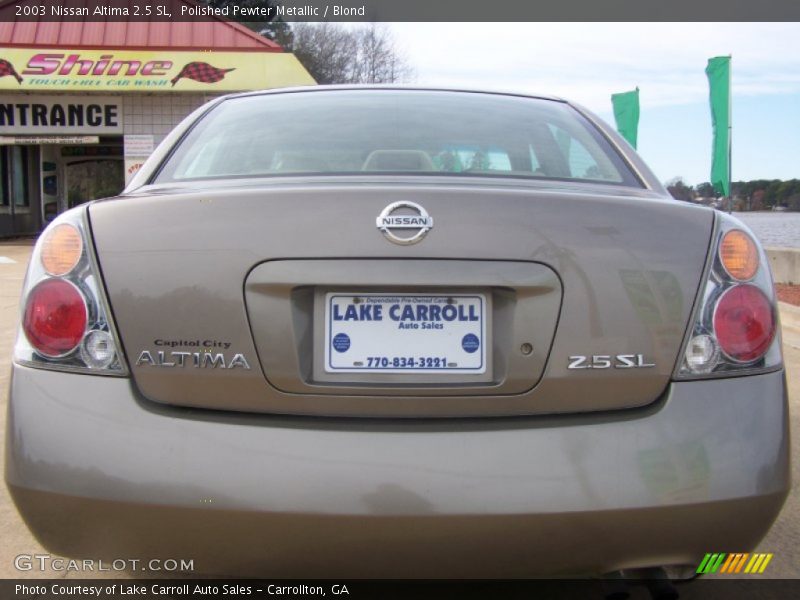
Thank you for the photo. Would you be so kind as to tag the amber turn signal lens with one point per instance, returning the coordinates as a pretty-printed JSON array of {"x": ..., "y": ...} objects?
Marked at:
[
  {"x": 61, "y": 249},
  {"x": 739, "y": 255}
]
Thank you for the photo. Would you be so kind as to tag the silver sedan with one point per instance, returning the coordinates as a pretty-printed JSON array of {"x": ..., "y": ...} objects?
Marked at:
[{"x": 361, "y": 332}]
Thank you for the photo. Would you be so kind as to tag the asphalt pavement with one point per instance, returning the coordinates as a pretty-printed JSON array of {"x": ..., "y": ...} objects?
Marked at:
[{"x": 783, "y": 540}]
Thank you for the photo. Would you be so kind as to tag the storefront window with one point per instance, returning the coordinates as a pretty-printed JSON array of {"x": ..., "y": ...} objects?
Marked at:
[
  {"x": 92, "y": 179},
  {"x": 3, "y": 180},
  {"x": 19, "y": 174}
]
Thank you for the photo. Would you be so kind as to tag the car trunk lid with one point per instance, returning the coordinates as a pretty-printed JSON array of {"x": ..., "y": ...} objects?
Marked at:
[{"x": 220, "y": 294}]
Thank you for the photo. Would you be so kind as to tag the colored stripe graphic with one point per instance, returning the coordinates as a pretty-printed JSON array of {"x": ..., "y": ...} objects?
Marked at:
[
  {"x": 754, "y": 563},
  {"x": 702, "y": 567},
  {"x": 734, "y": 563},
  {"x": 715, "y": 566},
  {"x": 741, "y": 562},
  {"x": 767, "y": 558},
  {"x": 711, "y": 563},
  {"x": 727, "y": 563}
]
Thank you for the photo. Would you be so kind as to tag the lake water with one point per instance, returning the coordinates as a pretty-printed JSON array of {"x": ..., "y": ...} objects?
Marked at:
[{"x": 774, "y": 229}]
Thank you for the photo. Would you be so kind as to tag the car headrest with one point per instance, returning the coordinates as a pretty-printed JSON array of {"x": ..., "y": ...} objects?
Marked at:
[{"x": 398, "y": 160}]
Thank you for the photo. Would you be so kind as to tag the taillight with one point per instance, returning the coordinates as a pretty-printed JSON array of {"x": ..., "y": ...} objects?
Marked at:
[
  {"x": 744, "y": 323},
  {"x": 738, "y": 255},
  {"x": 62, "y": 248},
  {"x": 66, "y": 323},
  {"x": 55, "y": 317},
  {"x": 735, "y": 327}
]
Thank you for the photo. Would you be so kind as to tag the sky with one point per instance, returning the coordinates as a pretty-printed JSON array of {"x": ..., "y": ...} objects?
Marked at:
[{"x": 587, "y": 62}]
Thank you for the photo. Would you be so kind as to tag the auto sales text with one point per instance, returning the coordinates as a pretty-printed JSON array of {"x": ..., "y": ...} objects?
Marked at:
[{"x": 184, "y": 589}]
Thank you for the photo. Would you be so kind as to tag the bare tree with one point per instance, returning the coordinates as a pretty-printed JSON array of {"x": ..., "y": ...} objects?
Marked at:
[
  {"x": 274, "y": 28},
  {"x": 333, "y": 53},
  {"x": 679, "y": 190}
]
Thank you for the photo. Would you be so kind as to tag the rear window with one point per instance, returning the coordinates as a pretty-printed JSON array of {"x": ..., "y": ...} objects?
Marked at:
[{"x": 395, "y": 131}]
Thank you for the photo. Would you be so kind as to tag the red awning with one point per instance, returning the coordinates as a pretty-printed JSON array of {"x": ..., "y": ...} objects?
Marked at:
[{"x": 202, "y": 33}]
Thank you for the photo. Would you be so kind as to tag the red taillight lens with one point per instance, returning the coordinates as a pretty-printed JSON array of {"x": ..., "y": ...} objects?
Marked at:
[
  {"x": 744, "y": 323},
  {"x": 55, "y": 317}
]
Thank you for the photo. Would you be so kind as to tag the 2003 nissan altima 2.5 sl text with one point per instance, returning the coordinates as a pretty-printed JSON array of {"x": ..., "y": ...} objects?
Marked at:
[{"x": 398, "y": 332}]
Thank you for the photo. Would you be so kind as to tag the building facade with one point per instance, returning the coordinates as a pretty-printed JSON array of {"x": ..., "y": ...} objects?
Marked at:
[{"x": 82, "y": 104}]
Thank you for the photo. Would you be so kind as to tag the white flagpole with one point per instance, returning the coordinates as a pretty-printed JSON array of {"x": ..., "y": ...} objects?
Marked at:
[{"x": 730, "y": 133}]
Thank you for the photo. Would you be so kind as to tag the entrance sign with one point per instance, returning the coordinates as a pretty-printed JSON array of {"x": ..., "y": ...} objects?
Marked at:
[{"x": 99, "y": 115}]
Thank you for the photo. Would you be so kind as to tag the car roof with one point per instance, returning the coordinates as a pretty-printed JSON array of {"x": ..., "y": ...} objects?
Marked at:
[{"x": 390, "y": 87}]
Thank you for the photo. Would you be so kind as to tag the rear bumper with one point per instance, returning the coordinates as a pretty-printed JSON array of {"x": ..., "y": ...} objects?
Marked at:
[{"x": 96, "y": 471}]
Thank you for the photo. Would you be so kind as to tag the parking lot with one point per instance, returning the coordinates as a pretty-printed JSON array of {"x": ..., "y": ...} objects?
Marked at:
[{"x": 783, "y": 540}]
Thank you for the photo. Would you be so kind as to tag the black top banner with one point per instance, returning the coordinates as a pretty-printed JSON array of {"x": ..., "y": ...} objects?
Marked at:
[{"x": 402, "y": 10}]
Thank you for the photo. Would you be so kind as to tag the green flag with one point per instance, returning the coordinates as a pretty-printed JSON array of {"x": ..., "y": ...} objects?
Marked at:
[
  {"x": 626, "y": 114},
  {"x": 719, "y": 83}
]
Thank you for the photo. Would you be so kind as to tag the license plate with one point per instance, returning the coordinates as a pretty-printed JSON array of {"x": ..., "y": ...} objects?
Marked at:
[{"x": 405, "y": 333}]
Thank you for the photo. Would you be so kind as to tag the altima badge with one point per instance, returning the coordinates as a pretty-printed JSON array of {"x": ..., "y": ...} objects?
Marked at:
[
  {"x": 414, "y": 217},
  {"x": 198, "y": 360}
]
